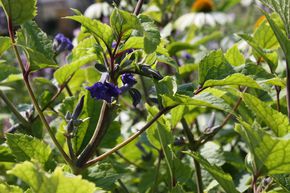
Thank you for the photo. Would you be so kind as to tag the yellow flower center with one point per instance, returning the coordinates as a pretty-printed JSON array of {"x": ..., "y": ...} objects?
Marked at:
[{"x": 203, "y": 6}]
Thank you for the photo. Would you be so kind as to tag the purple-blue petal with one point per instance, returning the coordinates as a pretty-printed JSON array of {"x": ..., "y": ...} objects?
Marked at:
[
  {"x": 104, "y": 91},
  {"x": 128, "y": 79}
]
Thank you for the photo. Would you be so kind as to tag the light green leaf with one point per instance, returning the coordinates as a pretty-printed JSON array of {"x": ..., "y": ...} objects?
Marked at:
[
  {"x": 214, "y": 66},
  {"x": 37, "y": 45},
  {"x": 233, "y": 79},
  {"x": 151, "y": 34},
  {"x": 6, "y": 155},
  {"x": 5, "y": 188},
  {"x": 271, "y": 154},
  {"x": 282, "y": 7},
  {"x": 4, "y": 44},
  {"x": 234, "y": 56},
  {"x": 224, "y": 179},
  {"x": 204, "y": 100},
  {"x": 275, "y": 120},
  {"x": 251, "y": 41},
  {"x": 96, "y": 28},
  {"x": 64, "y": 72},
  {"x": 19, "y": 11},
  {"x": 25, "y": 147},
  {"x": 122, "y": 21},
  {"x": 57, "y": 182},
  {"x": 177, "y": 114},
  {"x": 138, "y": 43}
]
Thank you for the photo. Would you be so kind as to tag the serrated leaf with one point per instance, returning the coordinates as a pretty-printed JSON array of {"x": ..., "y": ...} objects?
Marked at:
[
  {"x": 6, "y": 155},
  {"x": 64, "y": 72},
  {"x": 5, "y": 188},
  {"x": 234, "y": 56},
  {"x": 271, "y": 154},
  {"x": 122, "y": 21},
  {"x": 25, "y": 147},
  {"x": 37, "y": 45},
  {"x": 19, "y": 11},
  {"x": 233, "y": 79},
  {"x": 251, "y": 41},
  {"x": 96, "y": 28},
  {"x": 275, "y": 120},
  {"x": 203, "y": 100},
  {"x": 283, "y": 180},
  {"x": 214, "y": 66},
  {"x": 57, "y": 182},
  {"x": 224, "y": 179},
  {"x": 4, "y": 44},
  {"x": 151, "y": 34}
]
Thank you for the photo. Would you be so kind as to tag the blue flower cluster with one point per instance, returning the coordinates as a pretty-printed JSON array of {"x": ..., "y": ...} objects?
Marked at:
[
  {"x": 62, "y": 43},
  {"x": 108, "y": 91}
]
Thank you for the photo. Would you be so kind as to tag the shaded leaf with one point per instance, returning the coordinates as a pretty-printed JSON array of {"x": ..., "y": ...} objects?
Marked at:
[{"x": 4, "y": 44}]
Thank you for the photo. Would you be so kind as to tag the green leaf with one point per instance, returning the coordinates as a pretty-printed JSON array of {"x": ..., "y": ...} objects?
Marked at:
[
  {"x": 6, "y": 71},
  {"x": 19, "y": 11},
  {"x": 234, "y": 56},
  {"x": 111, "y": 136},
  {"x": 4, "y": 44},
  {"x": 204, "y": 100},
  {"x": 103, "y": 175},
  {"x": 66, "y": 71},
  {"x": 271, "y": 154},
  {"x": 6, "y": 155},
  {"x": 283, "y": 180},
  {"x": 233, "y": 79},
  {"x": 37, "y": 45},
  {"x": 214, "y": 66},
  {"x": 224, "y": 179},
  {"x": 25, "y": 147},
  {"x": 57, "y": 182},
  {"x": 5, "y": 188},
  {"x": 252, "y": 42},
  {"x": 138, "y": 43},
  {"x": 151, "y": 34},
  {"x": 96, "y": 28},
  {"x": 275, "y": 120},
  {"x": 282, "y": 7},
  {"x": 123, "y": 21}
]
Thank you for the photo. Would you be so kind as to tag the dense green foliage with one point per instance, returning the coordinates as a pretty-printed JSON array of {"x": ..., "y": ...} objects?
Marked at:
[{"x": 179, "y": 114}]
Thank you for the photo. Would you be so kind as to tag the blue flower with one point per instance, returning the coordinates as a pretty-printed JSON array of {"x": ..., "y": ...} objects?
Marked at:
[
  {"x": 128, "y": 79},
  {"x": 104, "y": 91},
  {"x": 62, "y": 43}
]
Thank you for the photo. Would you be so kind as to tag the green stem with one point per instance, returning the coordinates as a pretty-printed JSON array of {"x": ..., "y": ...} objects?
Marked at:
[
  {"x": 89, "y": 150},
  {"x": 130, "y": 139},
  {"x": 193, "y": 146},
  {"x": 14, "y": 110},
  {"x": 125, "y": 189},
  {"x": 32, "y": 96},
  {"x": 153, "y": 190}
]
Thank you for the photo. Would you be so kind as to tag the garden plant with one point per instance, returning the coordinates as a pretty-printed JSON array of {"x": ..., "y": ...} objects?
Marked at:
[{"x": 154, "y": 98}]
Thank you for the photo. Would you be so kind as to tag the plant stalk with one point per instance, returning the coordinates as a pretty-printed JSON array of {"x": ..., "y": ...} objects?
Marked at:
[
  {"x": 14, "y": 110},
  {"x": 32, "y": 96},
  {"x": 130, "y": 139}
]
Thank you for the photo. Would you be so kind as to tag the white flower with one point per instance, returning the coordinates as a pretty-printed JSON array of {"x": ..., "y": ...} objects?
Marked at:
[
  {"x": 96, "y": 10},
  {"x": 200, "y": 19}
]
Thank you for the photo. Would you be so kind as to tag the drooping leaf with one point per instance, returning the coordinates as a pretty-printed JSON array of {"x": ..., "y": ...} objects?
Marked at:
[
  {"x": 19, "y": 11},
  {"x": 275, "y": 120},
  {"x": 271, "y": 154},
  {"x": 25, "y": 147},
  {"x": 214, "y": 66},
  {"x": 96, "y": 28},
  {"x": 57, "y": 182},
  {"x": 234, "y": 56},
  {"x": 224, "y": 179},
  {"x": 4, "y": 44},
  {"x": 233, "y": 79},
  {"x": 37, "y": 45}
]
